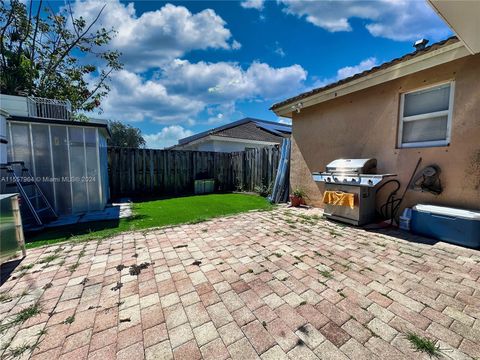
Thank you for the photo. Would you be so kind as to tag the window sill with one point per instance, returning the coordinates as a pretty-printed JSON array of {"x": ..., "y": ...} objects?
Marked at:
[{"x": 424, "y": 144}]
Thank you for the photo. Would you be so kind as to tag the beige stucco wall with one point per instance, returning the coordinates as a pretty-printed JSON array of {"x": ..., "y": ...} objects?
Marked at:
[{"x": 364, "y": 124}]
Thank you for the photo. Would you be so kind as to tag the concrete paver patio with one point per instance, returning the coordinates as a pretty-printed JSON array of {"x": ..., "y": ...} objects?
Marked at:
[{"x": 282, "y": 284}]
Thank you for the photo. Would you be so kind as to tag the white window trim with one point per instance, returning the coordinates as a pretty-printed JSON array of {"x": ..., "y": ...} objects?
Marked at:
[{"x": 448, "y": 112}]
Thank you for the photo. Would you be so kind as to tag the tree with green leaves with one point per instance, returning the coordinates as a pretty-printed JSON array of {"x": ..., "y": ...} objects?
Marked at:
[
  {"x": 51, "y": 54},
  {"x": 125, "y": 135}
]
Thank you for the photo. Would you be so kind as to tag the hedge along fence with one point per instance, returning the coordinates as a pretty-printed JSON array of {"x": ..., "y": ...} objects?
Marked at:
[{"x": 147, "y": 172}]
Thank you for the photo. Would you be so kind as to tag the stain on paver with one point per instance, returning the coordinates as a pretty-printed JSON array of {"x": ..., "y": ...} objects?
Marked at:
[
  {"x": 117, "y": 287},
  {"x": 137, "y": 269},
  {"x": 303, "y": 329},
  {"x": 259, "y": 284},
  {"x": 300, "y": 342},
  {"x": 120, "y": 267}
]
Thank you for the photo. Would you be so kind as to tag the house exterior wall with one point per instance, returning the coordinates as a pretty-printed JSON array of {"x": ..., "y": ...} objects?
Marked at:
[
  {"x": 220, "y": 146},
  {"x": 365, "y": 124}
]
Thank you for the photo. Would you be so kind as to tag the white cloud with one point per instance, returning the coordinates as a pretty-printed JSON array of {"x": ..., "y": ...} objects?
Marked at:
[
  {"x": 271, "y": 83},
  {"x": 285, "y": 121},
  {"x": 158, "y": 85},
  {"x": 148, "y": 40},
  {"x": 236, "y": 45},
  {"x": 279, "y": 50},
  {"x": 217, "y": 119},
  {"x": 182, "y": 90},
  {"x": 253, "y": 4},
  {"x": 168, "y": 136},
  {"x": 348, "y": 71},
  {"x": 223, "y": 81},
  {"x": 394, "y": 19},
  {"x": 223, "y": 113},
  {"x": 133, "y": 98}
]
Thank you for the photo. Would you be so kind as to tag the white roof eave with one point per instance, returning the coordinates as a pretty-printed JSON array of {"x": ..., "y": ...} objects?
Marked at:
[{"x": 418, "y": 63}]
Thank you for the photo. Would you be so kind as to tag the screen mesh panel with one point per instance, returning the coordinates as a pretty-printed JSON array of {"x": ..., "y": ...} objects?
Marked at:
[
  {"x": 78, "y": 171},
  {"x": 61, "y": 169},
  {"x": 425, "y": 130},
  {"x": 427, "y": 101}
]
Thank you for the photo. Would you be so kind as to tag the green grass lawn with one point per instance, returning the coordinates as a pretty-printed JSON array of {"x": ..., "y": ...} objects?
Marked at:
[{"x": 158, "y": 213}]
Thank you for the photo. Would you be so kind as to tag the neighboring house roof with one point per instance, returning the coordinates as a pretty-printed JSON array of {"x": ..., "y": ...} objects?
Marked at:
[
  {"x": 248, "y": 128},
  {"x": 375, "y": 69}
]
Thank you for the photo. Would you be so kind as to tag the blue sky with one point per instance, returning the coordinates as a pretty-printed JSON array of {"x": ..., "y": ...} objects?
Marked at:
[{"x": 193, "y": 65}]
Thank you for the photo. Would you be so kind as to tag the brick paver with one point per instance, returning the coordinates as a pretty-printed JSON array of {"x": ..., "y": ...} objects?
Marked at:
[{"x": 270, "y": 285}]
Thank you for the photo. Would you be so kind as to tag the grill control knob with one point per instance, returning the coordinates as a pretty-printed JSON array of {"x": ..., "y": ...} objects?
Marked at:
[
  {"x": 370, "y": 182},
  {"x": 328, "y": 179}
]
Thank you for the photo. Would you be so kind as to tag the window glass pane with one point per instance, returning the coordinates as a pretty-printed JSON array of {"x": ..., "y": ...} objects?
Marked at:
[
  {"x": 61, "y": 168},
  {"x": 43, "y": 162},
  {"x": 425, "y": 130},
  {"x": 21, "y": 150},
  {"x": 20, "y": 147},
  {"x": 77, "y": 159},
  {"x": 102, "y": 143},
  {"x": 427, "y": 101},
  {"x": 93, "y": 179},
  {"x": 76, "y": 135},
  {"x": 90, "y": 137},
  {"x": 9, "y": 146}
]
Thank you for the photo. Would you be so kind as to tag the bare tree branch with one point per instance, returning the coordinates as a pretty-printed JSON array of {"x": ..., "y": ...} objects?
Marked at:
[
  {"x": 99, "y": 85},
  {"x": 9, "y": 21},
  {"x": 71, "y": 46},
  {"x": 71, "y": 17},
  {"x": 35, "y": 32},
  {"x": 27, "y": 32}
]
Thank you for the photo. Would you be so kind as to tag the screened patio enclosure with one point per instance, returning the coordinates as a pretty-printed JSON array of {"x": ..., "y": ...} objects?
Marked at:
[{"x": 68, "y": 160}]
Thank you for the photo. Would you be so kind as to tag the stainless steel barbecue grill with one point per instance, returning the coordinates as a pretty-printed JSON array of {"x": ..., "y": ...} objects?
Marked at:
[{"x": 352, "y": 176}]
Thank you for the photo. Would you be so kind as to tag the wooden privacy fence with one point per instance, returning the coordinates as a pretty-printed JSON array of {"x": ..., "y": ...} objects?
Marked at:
[{"x": 147, "y": 172}]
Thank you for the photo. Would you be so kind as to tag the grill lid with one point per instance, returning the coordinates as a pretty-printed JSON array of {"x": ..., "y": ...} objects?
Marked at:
[{"x": 352, "y": 166}]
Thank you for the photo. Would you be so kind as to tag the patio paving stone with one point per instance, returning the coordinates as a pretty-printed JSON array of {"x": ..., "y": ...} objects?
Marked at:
[
  {"x": 188, "y": 350},
  {"x": 281, "y": 284},
  {"x": 215, "y": 350}
]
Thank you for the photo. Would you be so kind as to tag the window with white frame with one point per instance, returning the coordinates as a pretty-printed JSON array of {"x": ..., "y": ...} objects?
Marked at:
[{"x": 426, "y": 116}]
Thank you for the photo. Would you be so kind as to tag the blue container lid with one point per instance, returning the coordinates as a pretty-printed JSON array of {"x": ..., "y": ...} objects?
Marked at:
[{"x": 448, "y": 211}]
